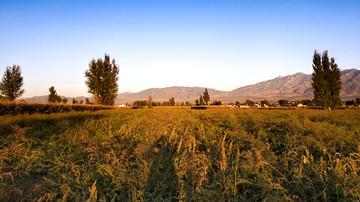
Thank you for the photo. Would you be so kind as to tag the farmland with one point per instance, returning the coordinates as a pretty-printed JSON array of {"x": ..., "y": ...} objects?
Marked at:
[
  {"x": 12, "y": 108},
  {"x": 181, "y": 154}
]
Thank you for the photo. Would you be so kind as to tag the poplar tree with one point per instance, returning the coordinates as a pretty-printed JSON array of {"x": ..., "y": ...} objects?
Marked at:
[
  {"x": 201, "y": 100},
  {"x": 326, "y": 81},
  {"x": 206, "y": 96},
  {"x": 102, "y": 77},
  {"x": 11, "y": 83},
  {"x": 149, "y": 102}
]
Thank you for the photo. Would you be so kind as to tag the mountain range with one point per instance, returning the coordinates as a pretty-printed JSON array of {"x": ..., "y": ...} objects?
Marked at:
[{"x": 292, "y": 87}]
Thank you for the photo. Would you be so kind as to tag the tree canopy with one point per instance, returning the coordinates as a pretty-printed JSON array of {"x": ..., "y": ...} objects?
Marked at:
[
  {"x": 53, "y": 96},
  {"x": 149, "y": 102},
  {"x": 172, "y": 101},
  {"x": 201, "y": 100},
  {"x": 326, "y": 81},
  {"x": 206, "y": 96},
  {"x": 11, "y": 83},
  {"x": 102, "y": 77}
]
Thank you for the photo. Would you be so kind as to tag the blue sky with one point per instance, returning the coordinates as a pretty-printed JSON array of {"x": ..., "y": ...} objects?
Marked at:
[{"x": 214, "y": 44}]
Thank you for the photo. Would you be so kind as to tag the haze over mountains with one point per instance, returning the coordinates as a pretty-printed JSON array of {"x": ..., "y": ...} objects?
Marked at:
[{"x": 291, "y": 87}]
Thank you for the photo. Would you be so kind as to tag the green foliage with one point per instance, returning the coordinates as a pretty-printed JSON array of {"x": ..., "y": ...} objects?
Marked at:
[
  {"x": 166, "y": 103},
  {"x": 149, "y": 102},
  {"x": 172, "y": 101},
  {"x": 217, "y": 102},
  {"x": 265, "y": 102},
  {"x": 357, "y": 101},
  {"x": 181, "y": 155},
  {"x": 53, "y": 97},
  {"x": 206, "y": 96},
  {"x": 102, "y": 77},
  {"x": 65, "y": 100},
  {"x": 306, "y": 102},
  {"x": 87, "y": 101},
  {"x": 201, "y": 100},
  {"x": 11, "y": 83},
  {"x": 249, "y": 102},
  {"x": 283, "y": 102},
  {"x": 350, "y": 102},
  {"x": 326, "y": 81},
  {"x": 139, "y": 103}
]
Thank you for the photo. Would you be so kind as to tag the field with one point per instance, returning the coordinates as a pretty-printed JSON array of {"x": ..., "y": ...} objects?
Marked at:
[
  {"x": 12, "y": 108},
  {"x": 181, "y": 154}
]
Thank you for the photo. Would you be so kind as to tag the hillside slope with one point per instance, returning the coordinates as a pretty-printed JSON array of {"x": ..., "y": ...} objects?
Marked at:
[{"x": 291, "y": 87}]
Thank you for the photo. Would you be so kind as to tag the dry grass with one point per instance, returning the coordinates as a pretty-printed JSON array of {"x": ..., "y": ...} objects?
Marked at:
[{"x": 181, "y": 154}]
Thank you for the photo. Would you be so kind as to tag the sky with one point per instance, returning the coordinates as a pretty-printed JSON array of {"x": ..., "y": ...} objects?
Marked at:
[{"x": 215, "y": 44}]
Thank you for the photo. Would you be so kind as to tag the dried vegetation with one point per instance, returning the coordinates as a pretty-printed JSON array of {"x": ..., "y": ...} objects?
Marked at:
[{"x": 181, "y": 154}]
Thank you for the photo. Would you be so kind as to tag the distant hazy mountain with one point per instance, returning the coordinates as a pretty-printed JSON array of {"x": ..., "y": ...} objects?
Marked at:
[
  {"x": 351, "y": 83},
  {"x": 291, "y": 87},
  {"x": 296, "y": 86},
  {"x": 181, "y": 94}
]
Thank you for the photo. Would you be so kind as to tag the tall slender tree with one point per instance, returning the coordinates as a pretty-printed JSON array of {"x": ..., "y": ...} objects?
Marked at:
[
  {"x": 206, "y": 96},
  {"x": 11, "y": 83},
  {"x": 201, "y": 100},
  {"x": 326, "y": 81},
  {"x": 334, "y": 84},
  {"x": 149, "y": 102},
  {"x": 102, "y": 77}
]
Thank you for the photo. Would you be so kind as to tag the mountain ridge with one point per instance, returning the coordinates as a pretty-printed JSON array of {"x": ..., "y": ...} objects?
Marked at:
[{"x": 292, "y": 87}]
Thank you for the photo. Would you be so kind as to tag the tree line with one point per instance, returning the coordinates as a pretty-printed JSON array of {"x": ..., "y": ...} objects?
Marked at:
[
  {"x": 150, "y": 103},
  {"x": 102, "y": 77},
  {"x": 55, "y": 98}
]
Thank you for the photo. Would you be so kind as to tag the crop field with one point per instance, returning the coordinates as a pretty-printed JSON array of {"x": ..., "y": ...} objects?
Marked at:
[
  {"x": 12, "y": 108},
  {"x": 181, "y": 155}
]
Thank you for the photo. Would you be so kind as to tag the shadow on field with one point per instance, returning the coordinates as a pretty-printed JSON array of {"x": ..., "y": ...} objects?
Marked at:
[{"x": 162, "y": 182}]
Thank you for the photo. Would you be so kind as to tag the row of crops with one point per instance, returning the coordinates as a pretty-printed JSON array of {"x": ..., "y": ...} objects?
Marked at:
[{"x": 13, "y": 108}]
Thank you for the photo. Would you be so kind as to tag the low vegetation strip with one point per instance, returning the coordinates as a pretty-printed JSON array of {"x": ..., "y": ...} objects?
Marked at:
[
  {"x": 12, "y": 108},
  {"x": 181, "y": 155}
]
